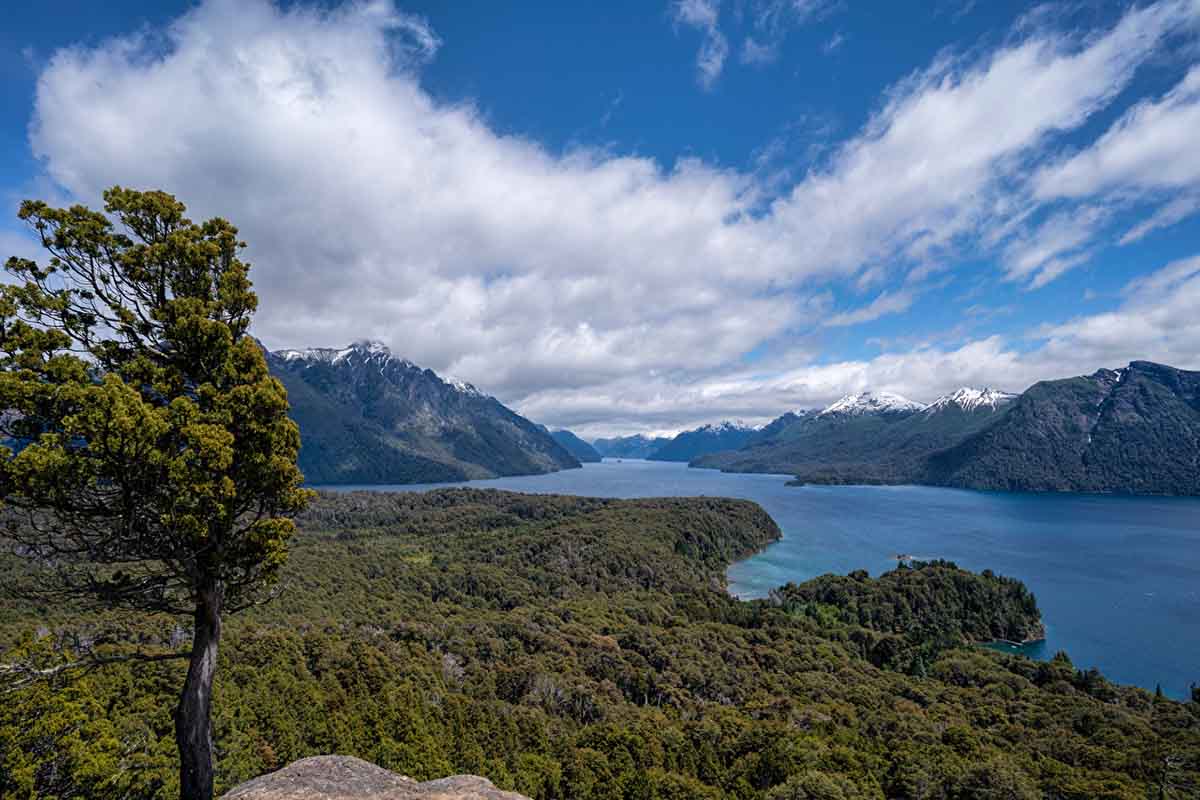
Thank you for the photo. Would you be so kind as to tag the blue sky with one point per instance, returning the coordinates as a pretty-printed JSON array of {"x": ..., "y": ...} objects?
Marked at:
[{"x": 642, "y": 217}]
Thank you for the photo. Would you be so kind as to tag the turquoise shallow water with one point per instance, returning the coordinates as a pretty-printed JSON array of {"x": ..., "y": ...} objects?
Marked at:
[{"x": 1117, "y": 578}]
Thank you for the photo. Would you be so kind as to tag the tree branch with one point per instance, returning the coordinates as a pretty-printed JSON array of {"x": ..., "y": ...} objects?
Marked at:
[{"x": 16, "y": 676}]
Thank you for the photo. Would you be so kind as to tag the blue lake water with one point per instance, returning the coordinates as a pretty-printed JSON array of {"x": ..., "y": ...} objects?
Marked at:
[{"x": 1117, "y": 578}]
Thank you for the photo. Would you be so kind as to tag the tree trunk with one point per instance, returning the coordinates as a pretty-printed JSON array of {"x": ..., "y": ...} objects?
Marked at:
[{"x": 193, "y": 726}]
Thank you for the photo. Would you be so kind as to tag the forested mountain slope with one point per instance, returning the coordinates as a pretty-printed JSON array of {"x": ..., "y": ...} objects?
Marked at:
[
  {"x": 367, "y": 416},
  {"x": 1134, "y": 430},
  {"x": 576, "y": 446},
  {"x": 706, "y": 439}
]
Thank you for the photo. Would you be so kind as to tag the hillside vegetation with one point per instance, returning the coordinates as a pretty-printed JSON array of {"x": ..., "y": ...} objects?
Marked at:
[
  {"x": 1136, "y": 430},
  {"x": 585, "y": 648}
]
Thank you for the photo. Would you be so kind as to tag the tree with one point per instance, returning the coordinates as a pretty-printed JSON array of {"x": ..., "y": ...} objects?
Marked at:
[{"x": 152, "y": 463}]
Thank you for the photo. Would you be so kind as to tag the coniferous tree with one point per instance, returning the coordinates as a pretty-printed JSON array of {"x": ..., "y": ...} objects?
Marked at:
[{"x": 152, "y": 461}]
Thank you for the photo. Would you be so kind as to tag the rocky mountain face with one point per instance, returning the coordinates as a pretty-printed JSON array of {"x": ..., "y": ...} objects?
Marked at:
[
  {"x": 1133, "y": 430},
  {"x": 367, "y": 416},
  {"x": 704, "y": 440},
  {"x": 638, "y": 446},
  {"x": 576, "y": 446},
  {"x": 864, "y": 438},
  {"x": 349, "y": 778}
]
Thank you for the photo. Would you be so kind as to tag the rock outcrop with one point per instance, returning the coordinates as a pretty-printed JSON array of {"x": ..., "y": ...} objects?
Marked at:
[{"x": 349, "y": 778}]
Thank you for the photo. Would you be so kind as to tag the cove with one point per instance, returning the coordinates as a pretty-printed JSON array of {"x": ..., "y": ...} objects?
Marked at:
[{"x": 1117, "y": 578}]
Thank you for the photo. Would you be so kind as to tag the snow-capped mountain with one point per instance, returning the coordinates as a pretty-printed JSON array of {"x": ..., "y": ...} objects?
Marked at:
[
  {"x": 872, "y": 403},
  {"x": 368, "y": 416},
  {"x": 361, "y": 350},
  {"x": 870, "y": 436},
  {"x": 635, "y": 446},
  {"x": 971, "y": 400},
  {"x": 711, "y": 438},
  {"x": 727, "y": 425}
]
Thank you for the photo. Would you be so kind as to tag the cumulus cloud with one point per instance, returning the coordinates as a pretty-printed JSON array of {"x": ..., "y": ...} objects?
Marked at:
[
  {"x": 587, "y": 287},
  {"x": 1156, "y": 321}
]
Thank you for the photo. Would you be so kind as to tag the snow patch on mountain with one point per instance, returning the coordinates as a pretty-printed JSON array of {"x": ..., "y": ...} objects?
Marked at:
[
  {"x": 461, "y": 385},
  {"x": 872, "y": 403},
  {"x": 365, "y": 350},
  {"x": 970, "y": 399},
  {"x": 727, "y": 425}
]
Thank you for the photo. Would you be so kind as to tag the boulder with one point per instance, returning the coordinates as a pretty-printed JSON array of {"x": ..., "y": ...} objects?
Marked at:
[{"x": 349, "y": 778}]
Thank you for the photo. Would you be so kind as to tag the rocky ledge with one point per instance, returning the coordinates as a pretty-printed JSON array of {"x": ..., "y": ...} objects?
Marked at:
[{"x": 349, "y": 778}]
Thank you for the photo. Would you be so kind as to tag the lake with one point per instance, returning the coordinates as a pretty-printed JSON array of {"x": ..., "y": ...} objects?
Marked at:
[{"x": 1117, "y": 578}]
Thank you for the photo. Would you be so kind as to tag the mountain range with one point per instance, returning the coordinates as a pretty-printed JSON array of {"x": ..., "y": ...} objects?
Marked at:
[
  {"x": 636, "y": 446},
  {"x": 576, "y": 446},
  {"x": 864, "y": 438},
  {"x": 366, "y": 416},
  {"x": 1133, "y": 430},
  {"x": 705, "y": 440}
]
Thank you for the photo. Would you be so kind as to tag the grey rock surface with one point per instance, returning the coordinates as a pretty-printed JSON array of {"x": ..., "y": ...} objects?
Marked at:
[{"x": 349, "y": 778}]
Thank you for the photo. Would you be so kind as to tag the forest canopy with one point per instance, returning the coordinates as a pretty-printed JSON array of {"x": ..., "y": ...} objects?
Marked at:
[{"x": 586, "y": 648}]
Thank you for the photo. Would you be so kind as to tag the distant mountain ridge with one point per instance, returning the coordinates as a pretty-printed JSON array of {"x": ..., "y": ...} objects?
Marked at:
[
  {"x": 636, "y": 446},
  {"x": 727, "y": 435},
  {"x": 1134, "y": 430},
  {"x": 867, "y": 437},
  {"x": 576, "y": 446},
  {"x": 367, "y": 416}
]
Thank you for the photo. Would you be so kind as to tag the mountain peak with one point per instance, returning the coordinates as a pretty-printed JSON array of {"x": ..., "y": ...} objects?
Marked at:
[
  {"x": 869, "y": 402},
  {"x": 363, "y": 349},
  {"x": 970, "y": 399},
  {"x": 461, "y": 385},
  {"x": 726, "y": 425}
]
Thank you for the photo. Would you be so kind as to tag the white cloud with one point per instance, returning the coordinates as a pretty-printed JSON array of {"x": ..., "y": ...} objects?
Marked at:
[
  {"x": 1157, "y": 321},
  {"x": 704, "y": 15},
  {"x": 1175, "y": 210},
  {"x": 940, "y": 161},
  {"x": 886, "y": 303},
  {"x": 834, "y": 43},
  {"x": 1151, "y": 147},
  {"x": 755, "y": 52},
  {"x": 585, "y": 288},
  {"x": 1053, "y": 247}
]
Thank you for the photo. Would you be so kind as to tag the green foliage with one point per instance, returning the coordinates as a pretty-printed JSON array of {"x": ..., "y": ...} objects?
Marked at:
[
  {"x": 586, "y": 649},
  {"x": 148, "y": 433},
  {"x": 904, "y": 617},
  {"x": 153, "y": 463}
]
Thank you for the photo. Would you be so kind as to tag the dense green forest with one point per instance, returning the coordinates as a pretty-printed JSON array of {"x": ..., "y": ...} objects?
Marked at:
[{"x": 586, "y": 648}]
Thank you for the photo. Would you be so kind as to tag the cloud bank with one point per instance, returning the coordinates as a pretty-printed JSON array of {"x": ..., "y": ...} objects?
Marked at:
[{"x": 613, "y": 292}]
